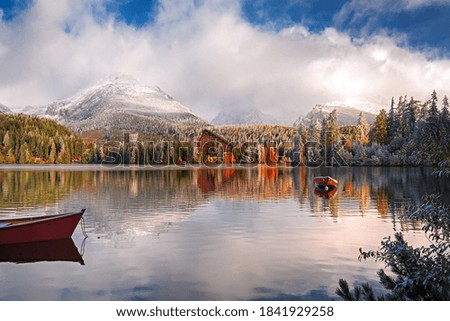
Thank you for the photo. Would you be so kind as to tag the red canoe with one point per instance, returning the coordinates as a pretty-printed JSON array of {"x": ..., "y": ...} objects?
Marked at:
[
  {"x": 325, "y": 182},
  {"x": 38, "y": 228}
]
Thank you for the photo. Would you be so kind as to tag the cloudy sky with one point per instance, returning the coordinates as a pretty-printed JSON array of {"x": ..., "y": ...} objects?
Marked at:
[{"x": 228, "y": 54}]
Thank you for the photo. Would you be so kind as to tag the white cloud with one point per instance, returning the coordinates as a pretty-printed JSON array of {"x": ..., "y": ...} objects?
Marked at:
[
  {"x": 413, "y": 4},
  {"x": 207, "y": 57},
  {"x": 364, "y": 10}
]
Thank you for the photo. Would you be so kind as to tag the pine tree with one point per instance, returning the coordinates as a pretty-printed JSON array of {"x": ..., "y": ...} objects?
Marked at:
[
  {"x": 444, "y": 119},
  {"x": 392, "y": 121},
  {"x": 431, "y": 143},
  {"x": 444, "y": 127},
  {"x": 363, "y": 128},
  {"x": 52, "y": 154},
  {"x": 403, "y": 117},
  {"x": 379, "y": 131},
  {"x": 411, "y": 115},
  {"x": 434, "y": 112},
  {"x": 24, "y": 157},
  {"x": 330, "y": 130},
  {"x": 6, "y": 139},
  {"x": 314, "y": 131}
]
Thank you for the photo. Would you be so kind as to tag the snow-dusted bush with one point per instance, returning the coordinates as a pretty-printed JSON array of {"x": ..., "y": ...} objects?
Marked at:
[
  {"x": 443, "y": 169},
  {"x": 420, "y": 273}
]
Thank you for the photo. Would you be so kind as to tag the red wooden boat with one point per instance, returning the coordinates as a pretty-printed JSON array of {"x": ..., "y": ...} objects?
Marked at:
[
  {"x": 38, "y": 228},
  {"x": 325, "y": 182}
]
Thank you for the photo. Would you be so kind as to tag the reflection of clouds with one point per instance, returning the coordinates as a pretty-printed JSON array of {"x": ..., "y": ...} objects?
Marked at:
[
  {"x": 255, "y": 234},
  {"x": 157, "y": 199},
  {"x": 136, "y": 203}
]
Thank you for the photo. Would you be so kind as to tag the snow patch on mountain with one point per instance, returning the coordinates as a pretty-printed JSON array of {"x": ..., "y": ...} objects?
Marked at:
[
  {"x": 346, "y": 115},
  {"x": 119, "y": 95},
  {"x": 116, "y": 94}
]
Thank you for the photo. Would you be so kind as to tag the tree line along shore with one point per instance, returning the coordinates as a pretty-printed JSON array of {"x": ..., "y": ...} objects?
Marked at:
[{"x": 409, "y": 133}]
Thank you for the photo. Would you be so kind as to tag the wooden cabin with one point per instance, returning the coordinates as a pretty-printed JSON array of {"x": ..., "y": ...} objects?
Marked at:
[{"x": 213, "y": 148}]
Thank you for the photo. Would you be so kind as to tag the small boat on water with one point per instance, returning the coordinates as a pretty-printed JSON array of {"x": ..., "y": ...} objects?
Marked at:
[
  {"x": 38, "y": 228},
  {"x": 325, "y": 182}
]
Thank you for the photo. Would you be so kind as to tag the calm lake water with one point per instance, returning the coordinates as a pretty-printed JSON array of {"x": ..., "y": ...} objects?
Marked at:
[{"x": 206, "y": 234}]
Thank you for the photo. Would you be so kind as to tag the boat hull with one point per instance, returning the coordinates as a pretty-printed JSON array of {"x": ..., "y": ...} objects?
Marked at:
[{"x": 43, "y": 228}]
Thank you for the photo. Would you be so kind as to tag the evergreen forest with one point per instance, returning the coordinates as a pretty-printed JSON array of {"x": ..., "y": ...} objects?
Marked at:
[
  {"x": 27, "y": 139},
  {"x": 409, "y": 133}
]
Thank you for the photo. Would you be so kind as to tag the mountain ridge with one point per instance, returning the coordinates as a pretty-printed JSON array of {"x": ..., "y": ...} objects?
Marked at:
[
  {"x": 346, "y": 115},
  {"x": 116, "y": 98}
]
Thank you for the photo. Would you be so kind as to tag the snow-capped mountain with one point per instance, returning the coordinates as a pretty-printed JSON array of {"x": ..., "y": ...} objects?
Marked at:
[
  {"x": 5, "y": 110},
  {"x": 120, "y": 100},
  {"x": 346, "y": 115},
  {"x": 246, "y": 117}
]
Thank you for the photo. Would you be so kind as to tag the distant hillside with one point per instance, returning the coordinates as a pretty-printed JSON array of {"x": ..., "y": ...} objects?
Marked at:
[
  {"x": 346, "y": 115},
  {"x": 27, "y": 139}
]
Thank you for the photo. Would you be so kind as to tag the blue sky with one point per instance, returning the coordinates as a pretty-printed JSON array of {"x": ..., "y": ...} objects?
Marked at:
[
  {"x": 424, "y": 26},
  {"x": 219, "y": 54}
]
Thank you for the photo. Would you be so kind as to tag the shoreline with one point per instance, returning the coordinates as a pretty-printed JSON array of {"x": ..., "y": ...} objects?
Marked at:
[{"x": 121, "y": 167}]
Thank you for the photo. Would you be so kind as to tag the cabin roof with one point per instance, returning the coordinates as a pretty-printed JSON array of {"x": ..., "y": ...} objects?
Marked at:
[{"x": 220, "y": 138}]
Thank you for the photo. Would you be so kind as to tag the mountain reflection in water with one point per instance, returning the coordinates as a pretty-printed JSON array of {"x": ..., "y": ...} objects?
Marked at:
[{"x": 205, "y": 233}]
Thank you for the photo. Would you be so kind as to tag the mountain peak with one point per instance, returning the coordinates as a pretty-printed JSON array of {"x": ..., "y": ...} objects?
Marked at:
[
  {"x": 119, "y": 97},
  {"x": 346, "y": 115},
  {"x": 117, "y": 93}
]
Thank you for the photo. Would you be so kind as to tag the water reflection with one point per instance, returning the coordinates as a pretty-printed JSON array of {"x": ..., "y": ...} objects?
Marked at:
[
  {"x": 262, "y": 183},
  {"x": 126, "y": 203},
  {"x": 326, "y": 193},
  {"x": 44, "y": 251},
  {"x": 210, "y": 234},
  {"x": 177, "y": 192}
]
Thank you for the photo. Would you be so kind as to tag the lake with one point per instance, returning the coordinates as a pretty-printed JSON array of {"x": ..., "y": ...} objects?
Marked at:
[{"x": 255, "y": 233}]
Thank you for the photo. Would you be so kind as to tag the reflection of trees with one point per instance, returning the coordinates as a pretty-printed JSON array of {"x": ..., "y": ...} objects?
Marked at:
[
  {"x": 382, "y": 202},
  {"x": 387, "y": 190},
  {"x": 39, "y": 188},
  {"x": 157, "y": 198},
  {"x": 261, "y": 182}
]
